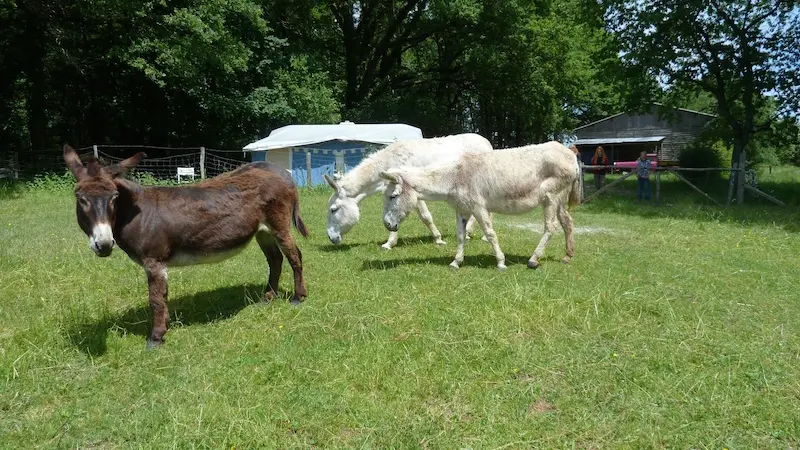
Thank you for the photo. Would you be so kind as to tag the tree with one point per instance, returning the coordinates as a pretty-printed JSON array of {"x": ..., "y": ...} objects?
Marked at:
[{"x": 740, "y": 51}]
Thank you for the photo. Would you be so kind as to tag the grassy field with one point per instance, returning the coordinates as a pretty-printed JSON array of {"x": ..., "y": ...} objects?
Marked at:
[{"x": 675, "y": 326}]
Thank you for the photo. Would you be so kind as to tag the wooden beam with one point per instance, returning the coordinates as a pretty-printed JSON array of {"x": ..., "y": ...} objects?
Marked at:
[
  {"x": 620, "y": 180},
  {"x": 680, "y": 177},
  {"x": 764, "y": 194},
  {"x": 658, "y": 186}
]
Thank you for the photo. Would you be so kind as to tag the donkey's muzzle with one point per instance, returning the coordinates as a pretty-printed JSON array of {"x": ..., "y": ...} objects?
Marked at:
[
  {"x": 390, "y": 226},
  {"x": 103, "y": 249}
]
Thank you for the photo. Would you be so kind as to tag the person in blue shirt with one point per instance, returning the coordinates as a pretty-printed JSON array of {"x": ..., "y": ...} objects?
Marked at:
[{"x": 643, "y": 176}]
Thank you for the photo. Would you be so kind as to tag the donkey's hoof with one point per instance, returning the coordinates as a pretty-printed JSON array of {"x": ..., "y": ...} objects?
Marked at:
[
  {"x": 484, "y": 239},
  {"x": 153, "y": 345},
  {"x": 296, "y": 301},
  {"x": 533, "y": 264},
  {"x": 385, "y": 247},
  {"x": 440, "y": 242},
  {"x": 565, "y": 260},
  {"x": 269, "y": 296},
  {"x": 502, "y": 267},
  {"x": 454, "y": 265}
]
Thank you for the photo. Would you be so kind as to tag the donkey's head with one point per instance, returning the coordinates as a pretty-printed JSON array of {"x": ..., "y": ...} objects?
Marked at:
[
  {"x": 96, "y": 194},
  {"x": 399, "y": 199},
  {"x": 343, "y": 211}
]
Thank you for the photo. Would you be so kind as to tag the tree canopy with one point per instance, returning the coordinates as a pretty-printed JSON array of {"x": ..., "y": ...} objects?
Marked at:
[
  {"x": 222, "y": 73},
  {"x": 745, "y": 53}
]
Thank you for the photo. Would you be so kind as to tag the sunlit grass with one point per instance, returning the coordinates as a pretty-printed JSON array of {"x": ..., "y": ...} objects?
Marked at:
[{"x": 675, "y": 325}]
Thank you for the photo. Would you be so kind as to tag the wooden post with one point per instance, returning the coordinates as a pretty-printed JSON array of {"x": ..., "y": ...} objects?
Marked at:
[
  {"x": 733, "y": 175},
  {"x": 580, "y": 164},
  {"x": 764, "y": 194},
  {"x": 680, "y": 177},
  {"x": 740, "y": 179},
  {"x": 658, "y": 186},
  {"x": 308, "y": 168},
  {"x": 95, "y": 152},
  {"x": 620, "y": 180},
  {"x": 202, "y": 162}
]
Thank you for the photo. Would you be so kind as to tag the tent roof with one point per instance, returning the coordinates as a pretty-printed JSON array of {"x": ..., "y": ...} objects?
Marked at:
[
  {"x": 300, "y": 135},
  {"x": 612, "y": 141}
]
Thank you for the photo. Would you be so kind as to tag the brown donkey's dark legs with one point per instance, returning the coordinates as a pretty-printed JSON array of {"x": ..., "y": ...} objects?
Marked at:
[
  {"x": 274, "y": 256},
  {"x": 289, "y": 248},
  {"x": 157, "y": 290}
]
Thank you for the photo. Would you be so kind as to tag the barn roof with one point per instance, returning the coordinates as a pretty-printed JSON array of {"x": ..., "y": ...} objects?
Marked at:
[
  {"x": 301, "y": 135},
  {"x": 628, "y": 112},
  {"x": 617, "y": 141}
]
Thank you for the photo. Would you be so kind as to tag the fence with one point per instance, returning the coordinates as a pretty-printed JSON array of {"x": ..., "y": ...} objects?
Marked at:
[
  {"x": 307, "y": 165},
  {"x": 162, "y": 163},
  {"x": 750, "y": 181}
]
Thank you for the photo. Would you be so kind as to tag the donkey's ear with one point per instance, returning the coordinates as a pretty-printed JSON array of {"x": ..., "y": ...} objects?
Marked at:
[
  {"x": 331, "y": 182},
  {"x": 125, "y": 165},
  {"x": 393, "y": 177},
  {"x": 74, "y": 163}
]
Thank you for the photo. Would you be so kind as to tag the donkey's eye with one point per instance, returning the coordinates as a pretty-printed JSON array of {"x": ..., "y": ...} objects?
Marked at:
[
  {"x": 84, "y": 202},
  {"x": 114, "y": 197},
  {"x": 334, "y": 208}
]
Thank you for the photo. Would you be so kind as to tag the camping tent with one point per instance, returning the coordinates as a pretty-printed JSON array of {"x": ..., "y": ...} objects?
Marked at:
[{"x": 327, "y": 149}]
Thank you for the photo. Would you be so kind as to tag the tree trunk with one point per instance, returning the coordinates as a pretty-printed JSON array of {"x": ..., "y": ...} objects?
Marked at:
[
  {"x": 740, "y": 176},
  {"x": 35, "y": 86}
]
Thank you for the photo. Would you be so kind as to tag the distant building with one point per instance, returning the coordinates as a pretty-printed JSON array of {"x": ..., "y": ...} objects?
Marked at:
[{"x": 664, "y": 131}]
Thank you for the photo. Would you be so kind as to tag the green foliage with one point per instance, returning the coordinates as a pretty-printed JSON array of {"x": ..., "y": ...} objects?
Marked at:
[
  {"x": 700, "y": 156},
  {"x": 52, "y": 182}
]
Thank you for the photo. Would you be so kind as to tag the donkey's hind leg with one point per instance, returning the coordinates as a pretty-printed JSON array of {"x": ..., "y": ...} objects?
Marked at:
[
  {"x": 484, "y": 218},
  {"x": 550, "y": 207},
  {"x": 427, "y": 219},
  {"x": 566, "y": 223},
  {"x": 295, "y": 257},
  {"x": 274, "y": 256}
]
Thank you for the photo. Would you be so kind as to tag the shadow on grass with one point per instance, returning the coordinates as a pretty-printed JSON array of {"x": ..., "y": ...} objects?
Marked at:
[
  {"x": 196, "y": 309},
  {"x": 678, "y": 201},
  {"x": 406, "y": 241},
  {"x": 486, "y": 261}
]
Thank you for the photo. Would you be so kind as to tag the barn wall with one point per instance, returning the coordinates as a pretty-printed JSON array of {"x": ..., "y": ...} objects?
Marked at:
[{"x": 678, "y": 131}]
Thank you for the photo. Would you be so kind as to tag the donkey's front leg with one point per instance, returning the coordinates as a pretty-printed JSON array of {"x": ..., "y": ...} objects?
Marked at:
[
  {"x": 157, "y": 290},
  {"x": 484, "y": 218},
  {"x": 427, "y": 219},
  {"x": 462, "y": 238},
  {"x": 391, "y": 242}
]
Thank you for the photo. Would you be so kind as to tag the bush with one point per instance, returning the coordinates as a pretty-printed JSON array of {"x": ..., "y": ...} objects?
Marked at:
[
  {"x": 700, "y": 156},
  {"x": 52, "y": 182}
]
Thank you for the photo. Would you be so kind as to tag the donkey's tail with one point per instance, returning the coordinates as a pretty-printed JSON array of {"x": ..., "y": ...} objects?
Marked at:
[
  {"x": 298, "y": 221},
  {"x": 575, "y": 191}
]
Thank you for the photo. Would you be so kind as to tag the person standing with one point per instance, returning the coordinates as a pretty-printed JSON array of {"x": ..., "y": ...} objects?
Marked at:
[
  {"x": 643, "y": 176},
  {"x": 599, "y": 159}
]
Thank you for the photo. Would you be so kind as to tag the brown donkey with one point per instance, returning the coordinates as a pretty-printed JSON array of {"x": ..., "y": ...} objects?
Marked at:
[{"x": 207, "y": 222}]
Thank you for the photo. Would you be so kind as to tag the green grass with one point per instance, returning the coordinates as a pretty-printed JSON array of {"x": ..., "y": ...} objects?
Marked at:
[{"x": 675, "y": 326}]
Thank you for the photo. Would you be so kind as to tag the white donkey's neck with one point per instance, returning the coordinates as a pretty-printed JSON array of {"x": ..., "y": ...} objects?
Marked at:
[
  {"x": 430, "y": 184},
  {"x": 364, "y": 180}
]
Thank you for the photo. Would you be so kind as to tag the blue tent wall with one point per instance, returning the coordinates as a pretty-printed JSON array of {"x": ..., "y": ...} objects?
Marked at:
[{"x": 323, "y": 159}]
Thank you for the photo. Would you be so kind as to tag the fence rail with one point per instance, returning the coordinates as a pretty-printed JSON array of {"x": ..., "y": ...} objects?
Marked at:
[{"x": 750, "y": 180}]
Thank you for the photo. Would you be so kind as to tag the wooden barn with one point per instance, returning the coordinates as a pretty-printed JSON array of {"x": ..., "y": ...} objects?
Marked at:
[{"x": 664, "y": 131}]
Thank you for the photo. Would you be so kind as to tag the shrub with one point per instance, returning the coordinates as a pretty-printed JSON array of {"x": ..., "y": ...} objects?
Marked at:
[
  {"x": 700, "y": 156},
  {"x": 52, "y": 182}
]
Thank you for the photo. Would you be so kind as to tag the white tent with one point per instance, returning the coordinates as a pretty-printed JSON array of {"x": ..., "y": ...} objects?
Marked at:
[
  {"x": 303, "y": 135},
  {"x": 311, "y": 151}
]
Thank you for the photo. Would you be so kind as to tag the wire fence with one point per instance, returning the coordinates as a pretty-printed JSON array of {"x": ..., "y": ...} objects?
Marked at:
[{"x": 308, "y": 166}]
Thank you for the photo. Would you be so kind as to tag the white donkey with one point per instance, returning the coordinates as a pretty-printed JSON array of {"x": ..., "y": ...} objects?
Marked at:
[
  {"x": 365, "y": 179},
  {"x": 510, "y": 181}
]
